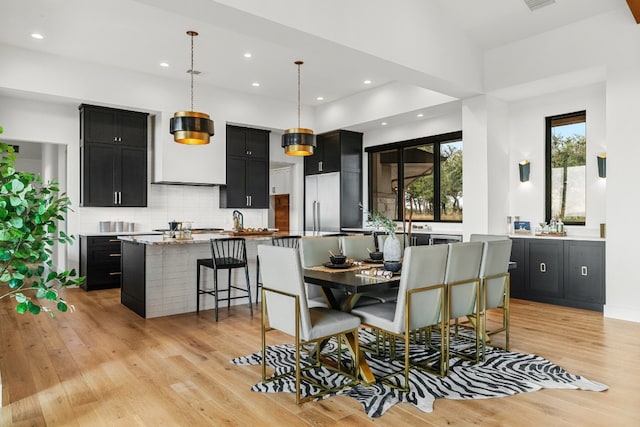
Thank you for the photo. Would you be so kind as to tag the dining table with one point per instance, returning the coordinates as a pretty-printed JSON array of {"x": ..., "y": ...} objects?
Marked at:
[{"x": 353, "y": 282}]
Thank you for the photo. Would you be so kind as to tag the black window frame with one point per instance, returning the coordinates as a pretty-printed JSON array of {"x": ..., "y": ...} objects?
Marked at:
[
  {"x": 547, "y": 174},
  {"x": 436, "y": 141}
]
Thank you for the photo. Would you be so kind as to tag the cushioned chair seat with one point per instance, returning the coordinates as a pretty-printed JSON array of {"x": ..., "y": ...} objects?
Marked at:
[
  {"x": 381, "y": 315},
  {"x": 327, "y": 322}
]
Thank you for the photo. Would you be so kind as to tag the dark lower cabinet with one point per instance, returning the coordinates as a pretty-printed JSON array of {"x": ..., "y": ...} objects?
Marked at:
[
  {"x": 544, "y": 262},
  {"x": 563, "y": 272},
  {"x": 100, "y": 262},
  {"x": 584, "y": 273},
  {"x": 133, "y": 294},
  {"x": 517, "y": 277}
]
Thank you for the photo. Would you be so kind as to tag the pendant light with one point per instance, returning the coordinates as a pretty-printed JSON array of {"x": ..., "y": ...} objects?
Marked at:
[
  {"x": 298, "y": 141},
  {"x": 191, "y": 127}
]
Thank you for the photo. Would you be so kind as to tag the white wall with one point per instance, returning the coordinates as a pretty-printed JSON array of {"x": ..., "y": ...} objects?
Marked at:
[{"x": 526, "y": 134}]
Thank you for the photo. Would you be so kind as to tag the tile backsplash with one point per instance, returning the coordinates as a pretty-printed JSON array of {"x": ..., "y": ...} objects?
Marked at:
[{"x": 170, "y": 202}]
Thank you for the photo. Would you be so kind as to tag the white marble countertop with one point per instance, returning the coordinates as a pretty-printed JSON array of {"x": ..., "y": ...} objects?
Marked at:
[
  {"x": 159, "y": 239},
  {"x": 117, "y": 233},
  {"x": 413, "y": 231},
  {"x": 568, "y": 237}
]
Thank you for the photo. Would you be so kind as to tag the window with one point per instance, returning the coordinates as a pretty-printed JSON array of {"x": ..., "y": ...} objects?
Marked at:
[
  {"x": 566, "y": 147},
  {"x": 418, "y": 180}
]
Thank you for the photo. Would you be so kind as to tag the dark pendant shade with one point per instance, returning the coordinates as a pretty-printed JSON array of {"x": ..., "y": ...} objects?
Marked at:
[
  {"x": 191, "y": 127},
  {"x": 298, "y": 142}
]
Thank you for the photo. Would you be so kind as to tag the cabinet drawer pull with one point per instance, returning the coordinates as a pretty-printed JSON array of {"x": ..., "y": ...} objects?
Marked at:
[
  {"x": 114, "y": 240},
  {"x": 115, "y": 254},
  {"x": 543, "y": 267},
  {"x": 115, "y": 273},
  {"x": 584, "y": 271}
]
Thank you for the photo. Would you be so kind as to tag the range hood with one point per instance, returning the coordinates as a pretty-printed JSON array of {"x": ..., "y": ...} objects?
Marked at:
[{"x": 181, "y": 164}]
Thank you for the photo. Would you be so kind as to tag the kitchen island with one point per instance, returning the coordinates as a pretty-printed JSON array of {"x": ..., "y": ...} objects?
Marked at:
[{"x": 159, "y": 274}]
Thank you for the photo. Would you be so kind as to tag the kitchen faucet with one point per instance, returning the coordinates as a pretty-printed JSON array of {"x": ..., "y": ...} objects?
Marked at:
[{"x": 238, "y": 220}]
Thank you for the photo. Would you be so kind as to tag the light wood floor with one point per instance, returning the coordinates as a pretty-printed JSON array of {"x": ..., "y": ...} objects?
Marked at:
[{"x": 105, "y": 366}]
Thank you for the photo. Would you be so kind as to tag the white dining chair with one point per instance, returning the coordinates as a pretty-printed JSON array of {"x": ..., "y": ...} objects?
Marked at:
[
  {"x": 494, "y": 283},
  {"x": 284, "y": 308},
  {"x": 357, "y": 247},
  {"x": 463, "y": 294},
  {"x": 314, "y": 251},
  {"x": 420, "y": 304}
]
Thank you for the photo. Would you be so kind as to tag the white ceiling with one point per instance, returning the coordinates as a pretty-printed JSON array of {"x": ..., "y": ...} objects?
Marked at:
[{"x": 139, "y": 34}]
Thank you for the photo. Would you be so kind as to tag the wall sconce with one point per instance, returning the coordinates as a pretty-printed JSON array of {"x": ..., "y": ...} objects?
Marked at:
[
  {"x": 524, "y": 167},
  {"x": 602, "y": 165}
]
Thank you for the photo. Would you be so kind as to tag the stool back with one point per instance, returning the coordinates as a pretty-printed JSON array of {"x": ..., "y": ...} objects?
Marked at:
[
  {"x": 286, "y": 241},
  {"x": 229, "y": 252}
]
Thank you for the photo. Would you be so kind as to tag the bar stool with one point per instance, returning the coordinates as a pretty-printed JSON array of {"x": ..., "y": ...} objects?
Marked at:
[
  {"x": 282, "y": 241},
  {"x": 226, "y": 254}
]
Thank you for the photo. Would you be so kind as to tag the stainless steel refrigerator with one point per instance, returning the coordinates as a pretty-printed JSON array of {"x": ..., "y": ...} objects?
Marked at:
[{"x": 322, "y": 203}]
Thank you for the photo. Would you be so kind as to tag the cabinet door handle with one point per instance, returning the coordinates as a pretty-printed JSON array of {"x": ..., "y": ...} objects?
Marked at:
[
  {"x": 115, "y": 254},
  {"x": 543, "y": 267},
  {"x": 250, "y": 201},
  {"x": 119, "y": 197},
  {"x": 320, "y": 166},
  {"x": 115, "y": 197},
  {"x": 584, "y": 271},
  {"x": 115, "y": 273}
]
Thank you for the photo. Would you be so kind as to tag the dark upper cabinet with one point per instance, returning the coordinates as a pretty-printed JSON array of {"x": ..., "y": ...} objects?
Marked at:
[
  {"x": 113, "y": 157},
  {"x": 335, "y": 151},
  {"x": 247, "y": 169},
  {"x": 113, "y": 126},
  {"x": 247, "y": 142}
]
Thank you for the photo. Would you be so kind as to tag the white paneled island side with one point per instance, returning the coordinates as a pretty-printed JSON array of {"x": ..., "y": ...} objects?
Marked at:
[{"x": 159, "y": 275}]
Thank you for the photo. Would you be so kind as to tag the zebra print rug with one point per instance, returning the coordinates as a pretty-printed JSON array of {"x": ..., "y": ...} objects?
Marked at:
[{"x": 501, "y": 374}]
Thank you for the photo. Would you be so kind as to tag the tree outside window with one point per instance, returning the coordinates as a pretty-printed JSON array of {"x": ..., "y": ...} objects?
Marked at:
[
  {"x": 566, "y": 168},
  {"x": 423, "y": 175}
]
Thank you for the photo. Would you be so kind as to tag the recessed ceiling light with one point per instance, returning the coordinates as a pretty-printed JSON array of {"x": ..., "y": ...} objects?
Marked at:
[
  {"x": 37, "y": 36},
  {"x": 384, "y": 123},
  {"x": 255, "y": 84},
  {"x": 420, "y": 115},
  {"x": 164, "y": 64},
  {"x": 247, "y": 55},
  {"x": 320, "y": 98},
  {"x": 367, "y": 82}
]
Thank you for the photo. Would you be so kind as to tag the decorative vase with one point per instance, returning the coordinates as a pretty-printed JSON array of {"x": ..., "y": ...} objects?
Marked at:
[{"x": 392, "y": 250}]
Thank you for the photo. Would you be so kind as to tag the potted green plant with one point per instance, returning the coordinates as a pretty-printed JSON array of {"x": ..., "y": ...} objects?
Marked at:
[
  {"x": 392, "y": 249},
  {"x": 29, "y": 214}
]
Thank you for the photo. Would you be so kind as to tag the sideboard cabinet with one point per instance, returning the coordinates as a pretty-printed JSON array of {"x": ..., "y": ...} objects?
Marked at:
[{"x": 559, "y": 271}]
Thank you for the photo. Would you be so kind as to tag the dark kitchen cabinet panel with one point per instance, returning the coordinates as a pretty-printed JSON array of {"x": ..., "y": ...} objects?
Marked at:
[
  {"x": 133, "y": 292},
  {"x": 545, "y": 267},
  {"x": 247, "y": 142},
  {"x": 100, "y": 258},
  {"x": 517, "y": 277},
  {"x": 335, "y": 151},
  {"x": 559, "y": 271},
  {"x": 113, "y": 126},
  {"x": 584, "y": 272},
  {"x": 113, "y": 169},
  {"x": 247, "y": 169},
  {"x": 113, "y": 176}
]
